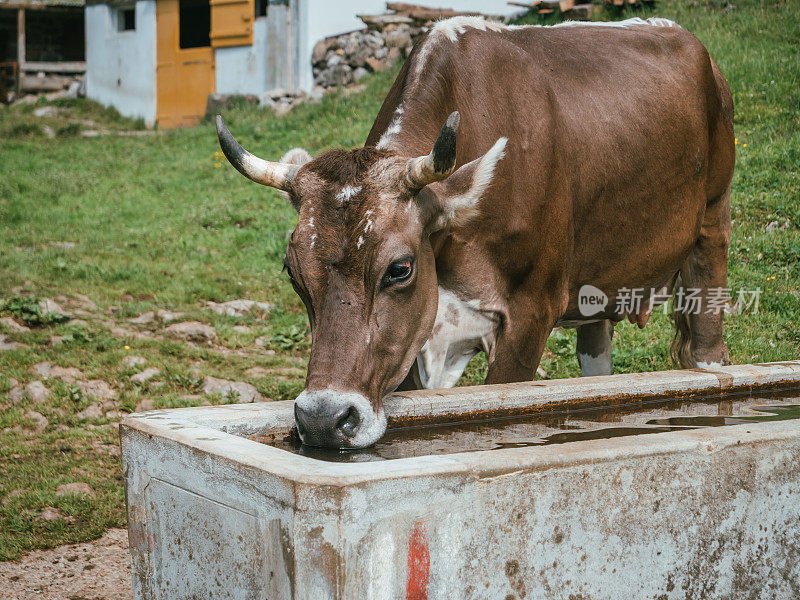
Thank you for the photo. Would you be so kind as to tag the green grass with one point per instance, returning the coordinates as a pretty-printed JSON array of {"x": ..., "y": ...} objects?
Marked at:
[{"x": 161, "y": 221}]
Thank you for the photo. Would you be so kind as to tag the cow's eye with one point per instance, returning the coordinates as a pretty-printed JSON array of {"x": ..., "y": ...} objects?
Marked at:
[{"x": 399, "y": 271}]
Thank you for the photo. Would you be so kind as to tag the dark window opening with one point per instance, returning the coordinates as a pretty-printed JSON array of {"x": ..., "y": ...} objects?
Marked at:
[
  {"x": 262, "y": 8},
  {"x": 194, "y": 18},
  {"x": 126, "y": 19}
]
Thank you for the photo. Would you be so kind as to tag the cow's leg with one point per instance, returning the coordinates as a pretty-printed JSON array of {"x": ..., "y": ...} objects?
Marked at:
[
  {"x": 594, "y": 348},
  {"x": 698, "y": 339},
  {"x": 519, "y": 349}
]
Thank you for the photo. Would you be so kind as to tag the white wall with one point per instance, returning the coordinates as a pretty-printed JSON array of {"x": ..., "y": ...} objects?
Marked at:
[
  {"x": 243, "y": 69},
  {"x": 121, "y": 66},
  {"x": 323, "y": 18}
]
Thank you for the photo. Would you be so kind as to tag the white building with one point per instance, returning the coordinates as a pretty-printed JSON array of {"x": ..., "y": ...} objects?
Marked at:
[{"x": 159, "y": 59}]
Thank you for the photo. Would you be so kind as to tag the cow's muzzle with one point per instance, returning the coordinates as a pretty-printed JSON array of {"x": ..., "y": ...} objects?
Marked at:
[{"x": 334, "y": 419}]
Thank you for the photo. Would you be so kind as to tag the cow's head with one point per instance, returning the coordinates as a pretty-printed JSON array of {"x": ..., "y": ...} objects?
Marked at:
[{"x": 361, "y": 260}]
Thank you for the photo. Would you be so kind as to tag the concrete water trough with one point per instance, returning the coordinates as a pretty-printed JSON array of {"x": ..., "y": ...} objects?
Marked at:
[{"x": 620, "y": 491}]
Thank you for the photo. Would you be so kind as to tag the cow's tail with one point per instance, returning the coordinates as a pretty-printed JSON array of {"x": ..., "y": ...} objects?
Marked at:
[{"x": 680, "y": 348}]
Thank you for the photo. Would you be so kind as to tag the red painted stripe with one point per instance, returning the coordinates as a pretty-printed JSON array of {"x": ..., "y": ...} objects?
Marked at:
[{"x": 419, "y": 565}]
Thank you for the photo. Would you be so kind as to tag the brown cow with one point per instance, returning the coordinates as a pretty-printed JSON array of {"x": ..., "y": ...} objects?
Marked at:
[{"x": 588, "y": 155}]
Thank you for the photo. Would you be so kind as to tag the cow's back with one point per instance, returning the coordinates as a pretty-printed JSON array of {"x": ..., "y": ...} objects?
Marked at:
[{"x": 614, "y": 140}]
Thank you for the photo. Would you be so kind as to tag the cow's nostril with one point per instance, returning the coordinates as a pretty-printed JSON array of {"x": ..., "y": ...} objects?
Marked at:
[{"x": 349, "y": 422}]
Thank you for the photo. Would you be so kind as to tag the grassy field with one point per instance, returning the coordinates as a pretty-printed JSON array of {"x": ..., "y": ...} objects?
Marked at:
[{"x": 160, "y": 221}]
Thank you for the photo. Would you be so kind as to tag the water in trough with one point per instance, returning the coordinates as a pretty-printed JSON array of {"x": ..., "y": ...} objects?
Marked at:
[{"x": 558, "y": 427}]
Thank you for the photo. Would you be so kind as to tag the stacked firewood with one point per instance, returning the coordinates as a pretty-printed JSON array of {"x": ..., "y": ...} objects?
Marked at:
[{"x": 576, "y": 10}]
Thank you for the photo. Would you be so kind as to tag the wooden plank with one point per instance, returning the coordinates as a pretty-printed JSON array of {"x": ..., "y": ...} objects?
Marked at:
[
  {"x": 49, "y": 83},
  {"x": 21, "y": 35},
  {"x": 54, "y": 67},
  {"x": 424, "y": 13},
  {"x": 566, "y": 5},
  {"x": 379, "y": 21}
]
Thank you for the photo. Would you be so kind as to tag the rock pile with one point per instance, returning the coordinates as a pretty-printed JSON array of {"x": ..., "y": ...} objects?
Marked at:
[{"x": 344, "y": 59}]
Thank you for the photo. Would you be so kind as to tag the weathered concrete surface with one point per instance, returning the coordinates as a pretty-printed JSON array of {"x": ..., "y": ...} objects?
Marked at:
[{"x": 711, "y": 513}]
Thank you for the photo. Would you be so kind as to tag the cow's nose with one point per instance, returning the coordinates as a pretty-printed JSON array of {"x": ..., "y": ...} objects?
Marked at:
[{"x": 332, "y": 419}]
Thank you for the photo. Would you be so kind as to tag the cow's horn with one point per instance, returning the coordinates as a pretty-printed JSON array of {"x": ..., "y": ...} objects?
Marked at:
[
  {"x": 440, "y": 162},
  {"x": 273, "y": 174}
]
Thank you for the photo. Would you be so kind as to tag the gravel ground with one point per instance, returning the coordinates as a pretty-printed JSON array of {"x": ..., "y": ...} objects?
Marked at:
[{"x": 98, "y": 570}]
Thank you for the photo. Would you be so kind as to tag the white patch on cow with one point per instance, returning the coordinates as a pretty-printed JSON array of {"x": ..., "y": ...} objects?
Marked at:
[
  {"x": 347, "y": 192},
  {"x": 360, "y": 242},
  {"x": 368, "y": 226},
  {"x": 459, "y": 333},
  {"x": 296, "y": 156},
  {"x": 453, "y": 27},
  {"x": 391, "y": 131},
  {"x": 311, "y": 223},
  {"x": 313, "y": 239},
  {"x": 459, "y": 209},
  {"x": 632, "y": 22}
]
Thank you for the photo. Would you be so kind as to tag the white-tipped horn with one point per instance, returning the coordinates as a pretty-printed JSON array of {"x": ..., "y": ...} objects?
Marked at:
[
  {"x": 440, "y": 163},
  {"x": 273, "y": 174}
]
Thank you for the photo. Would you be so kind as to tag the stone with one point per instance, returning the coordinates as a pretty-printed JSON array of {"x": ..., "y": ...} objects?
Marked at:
[
  {"x": 238, "y": 308},
  {"x": 50, "y": 513},
  {"x": 46, "y": 111},
  {"x": 16, "y": 393},
  {"x": 77, "y": 487},
  {"x": 133, "y": 361},
  {"x": 93, "y": 411},
  {"x": 144, "y": 318},
  {"x": 65, "y": 374},
  {"x": 48, "y": 306},
  {"x": 257, "y": 372},
  {"x": 5, "y": 345},
  {"x": 394, "y": 56},
  {"x": 376, "y": 64},
  {"x": 85, "y": 302},
  {"x": 55, "y": 340},
  {"x": 145, "y": 376},
  {"x": 37, "y": 392},
  {"x": 191, "y": 330},
  {"x": 42, "y": 369},
  {"x": 145, "y": 405},
  {"x": 13, "y": 325},
  {"x": 335, "y": 76},
  {"x": 167, "y": 315},
  {"x": 317, "y": 92},
  {"x": 244, "y": 392},
  {"x": 321, "y": 49},
  {"x": 241, "y": 329},
  {"x": 97, "y": 389},
  {"x": 11, "y": 496},
  {"x": 335, "y": 59},
  {"x": 40, "y": 421},
  {"x": 399, "y": 38},
  {"x": 360, "y": 73}
]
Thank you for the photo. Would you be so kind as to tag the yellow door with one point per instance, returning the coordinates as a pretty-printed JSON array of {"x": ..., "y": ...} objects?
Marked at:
[{"x": 184, "y": 61}]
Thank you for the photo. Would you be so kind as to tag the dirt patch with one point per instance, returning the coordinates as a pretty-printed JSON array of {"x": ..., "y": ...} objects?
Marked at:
[{"x": 98, "y": 570}]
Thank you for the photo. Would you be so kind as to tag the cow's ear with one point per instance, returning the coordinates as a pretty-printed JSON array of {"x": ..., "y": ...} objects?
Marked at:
[
  {"x": 457, "y": 196},
  {"x": 299, "y": 157}
]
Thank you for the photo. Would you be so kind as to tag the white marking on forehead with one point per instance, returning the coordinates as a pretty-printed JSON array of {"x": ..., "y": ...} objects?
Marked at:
[
  {"x": 459, "y": 333},
  {"x": 311, "y": 223},
  {"x": 347, "y": 192},
  {"x": 360, "y": 242},
  {"x": 368, "y": 226}
]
